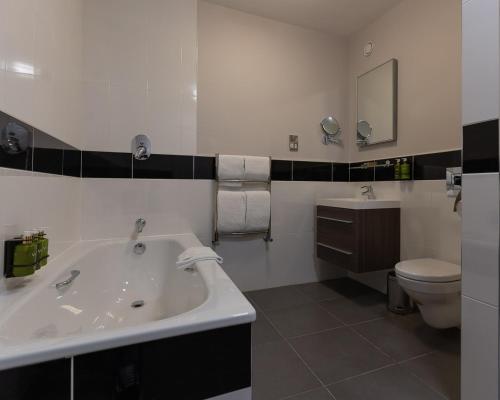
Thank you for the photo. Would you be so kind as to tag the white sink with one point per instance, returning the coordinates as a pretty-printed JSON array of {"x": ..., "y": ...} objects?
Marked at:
[{"x": 359, "y": 203}]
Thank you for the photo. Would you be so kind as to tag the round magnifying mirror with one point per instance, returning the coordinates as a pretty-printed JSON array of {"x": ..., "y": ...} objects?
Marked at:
[
  {"x": 331, "y": 126},
  {"x": 364, "y": 131}
]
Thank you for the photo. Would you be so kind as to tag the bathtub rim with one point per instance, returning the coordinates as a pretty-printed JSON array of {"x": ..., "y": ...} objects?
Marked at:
[{"x": 225, "y": 306}]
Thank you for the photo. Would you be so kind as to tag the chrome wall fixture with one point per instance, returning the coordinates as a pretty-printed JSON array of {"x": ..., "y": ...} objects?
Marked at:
[
  {"x": 141, "y": 147},
  {"x": 331, "y": 131}
]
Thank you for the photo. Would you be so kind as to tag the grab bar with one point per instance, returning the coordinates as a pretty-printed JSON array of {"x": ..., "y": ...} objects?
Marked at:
[{"x": 69, "y": 281}]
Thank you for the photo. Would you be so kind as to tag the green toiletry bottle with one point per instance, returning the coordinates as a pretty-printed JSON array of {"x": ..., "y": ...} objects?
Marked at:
[
  {"x": 25, "y": 254},
  {"x": 43, "y": 247},
  {"x": 397, "y": 170},
  {"x": 405, "y": 169}
]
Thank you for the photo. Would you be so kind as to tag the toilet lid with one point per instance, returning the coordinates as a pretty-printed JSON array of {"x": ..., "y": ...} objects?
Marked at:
[{"x": 429, "y": 270}]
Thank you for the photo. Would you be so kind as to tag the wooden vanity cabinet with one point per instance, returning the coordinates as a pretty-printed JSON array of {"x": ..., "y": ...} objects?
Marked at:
[{"x": 358, "y": 240}]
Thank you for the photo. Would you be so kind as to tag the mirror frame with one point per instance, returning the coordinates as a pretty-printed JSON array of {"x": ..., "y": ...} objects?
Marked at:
[{"x": 394, "y": 138}]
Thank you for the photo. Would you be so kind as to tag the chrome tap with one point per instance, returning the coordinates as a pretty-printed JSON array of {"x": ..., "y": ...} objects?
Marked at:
[
  {"x": 139, "y": 225},
  {"x": 368, "y": 192}
]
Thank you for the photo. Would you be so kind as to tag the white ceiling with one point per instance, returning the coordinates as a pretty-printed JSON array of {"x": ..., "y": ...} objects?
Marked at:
[{"x": 340, "y": 17}]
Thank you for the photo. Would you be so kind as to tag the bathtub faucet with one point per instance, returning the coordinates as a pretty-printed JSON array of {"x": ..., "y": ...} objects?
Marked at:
[{"x": 139, "y": 225}]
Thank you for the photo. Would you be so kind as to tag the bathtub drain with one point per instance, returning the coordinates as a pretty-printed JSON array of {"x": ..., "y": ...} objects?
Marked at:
[{"x": 137, "y": 304}]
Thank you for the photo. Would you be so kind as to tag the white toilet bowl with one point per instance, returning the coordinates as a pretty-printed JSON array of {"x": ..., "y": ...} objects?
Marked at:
[{"x": 435, "y": 287}]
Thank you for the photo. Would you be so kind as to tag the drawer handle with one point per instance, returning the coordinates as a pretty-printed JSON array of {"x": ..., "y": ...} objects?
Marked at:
[
  {"x": 347, "y": 253},
  {"x": 343, "y": 221}
]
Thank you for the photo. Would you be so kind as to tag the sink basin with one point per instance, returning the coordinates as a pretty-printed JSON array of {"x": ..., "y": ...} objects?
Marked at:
[{"x": 359, "y": 203}]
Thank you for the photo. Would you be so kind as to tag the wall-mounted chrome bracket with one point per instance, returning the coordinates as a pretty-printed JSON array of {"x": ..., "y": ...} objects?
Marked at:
[{"x": 141, "y": 147}]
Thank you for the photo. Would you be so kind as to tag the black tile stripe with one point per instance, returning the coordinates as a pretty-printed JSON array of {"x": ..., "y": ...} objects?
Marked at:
[
  {"x": 281, "y": 170},
  {"x": 160, "y": 166},
  {"x": 385, "y": 169},
  {"x": 340, "y": 172},
  {"x": 433, "y": 166},
  {"x": 480, "y": 147},
  {"x": 204, "y": 167},
  {"x": 16, "y": 130},
  {"x": 312, "y": 171},
  {"x": 100, "y": 164},
  {"x": 362, "y": 171}
]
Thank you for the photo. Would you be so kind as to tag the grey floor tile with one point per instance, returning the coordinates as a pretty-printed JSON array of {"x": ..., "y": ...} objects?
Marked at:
[
  {"x": 317, "y": 394},
  {"x": 276, "y": 298},
  {"x": 349, "y": 288},
  {"x": 263, "y": 332},
  {"x": 277, "y": 372},
  {"x": 404, "y": 337},
  {"x": 440, "y": 371},
  {"x": 338, "y": 354},
  {"x": 302, "y": 320},
  {"x": 389, "y": 383},
  {"x": 357, "y": 309},
  {"x": 318, "y": 291}
]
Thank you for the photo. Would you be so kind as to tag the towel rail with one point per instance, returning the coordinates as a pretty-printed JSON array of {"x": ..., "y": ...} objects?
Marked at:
[{"x": 220, "y": 183}]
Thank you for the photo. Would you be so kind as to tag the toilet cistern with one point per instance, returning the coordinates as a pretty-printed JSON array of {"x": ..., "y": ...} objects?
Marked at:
[{"x": 368, "y": 191}]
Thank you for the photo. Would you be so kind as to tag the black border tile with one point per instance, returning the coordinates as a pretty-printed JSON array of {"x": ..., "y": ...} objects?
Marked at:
[
  {"x": 480, "y": 143},
  {"x": 433, "y": 166},
  {"x": 46, "y": 381},
  {"x": 160, "y": 166},
  {"x": 21, "y": 161},
  {"x": 386, "y": 173},
  {"x": 340, "y": 172},
  {"x": 48, "y": 153},
  {"x": 281, "y": 170},
  {"x": 204, "y": 167},
  {"x": 100, "y": 164},
  {"x": 312, "y": 171},
  {"x": 218, "y": 362},
  {"x": 72, "y": 163},
  {"x": 358, "y": 174}
]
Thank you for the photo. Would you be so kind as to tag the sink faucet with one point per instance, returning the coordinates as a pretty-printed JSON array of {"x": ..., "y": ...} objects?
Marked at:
[
  {"x": 368, "y": 191},
  {"x": 139, "y": 225}
]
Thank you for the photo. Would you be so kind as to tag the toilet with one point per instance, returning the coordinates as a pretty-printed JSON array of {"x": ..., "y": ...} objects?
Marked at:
[{"x": 435, "y": 287}]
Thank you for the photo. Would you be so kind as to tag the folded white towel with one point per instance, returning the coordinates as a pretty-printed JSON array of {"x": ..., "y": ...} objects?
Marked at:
[
  {"x": 258, "y": 211},
  {"x": 257, "y": 168},
  {"x": 231, "y": 167},
  {"x": 195, "y": 254},
  {"x": 231, "y": 208}
]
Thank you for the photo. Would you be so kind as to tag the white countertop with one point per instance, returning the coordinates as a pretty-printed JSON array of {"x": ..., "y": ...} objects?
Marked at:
[{"x": 359, "y": 203}]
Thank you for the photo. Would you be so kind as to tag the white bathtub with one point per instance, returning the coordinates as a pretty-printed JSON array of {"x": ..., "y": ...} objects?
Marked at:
[{"x": 40, "y": 322}]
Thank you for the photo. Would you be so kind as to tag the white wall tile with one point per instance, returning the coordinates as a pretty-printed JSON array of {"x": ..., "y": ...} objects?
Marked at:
[
  {"x": 480, "y": 233},
  {"x": 480, "y": 60},
  {"x": 479, "y": 355},
  {"x": 31, "y": 200}
]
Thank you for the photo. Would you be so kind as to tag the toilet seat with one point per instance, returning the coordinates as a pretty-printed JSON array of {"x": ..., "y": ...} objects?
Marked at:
[{"x": 429, "y": 270}]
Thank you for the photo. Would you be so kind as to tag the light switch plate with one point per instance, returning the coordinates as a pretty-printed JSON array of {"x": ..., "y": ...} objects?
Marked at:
[{"x": 293, "y": 141}]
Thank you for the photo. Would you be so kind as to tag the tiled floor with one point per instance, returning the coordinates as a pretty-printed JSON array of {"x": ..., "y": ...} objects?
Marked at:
[{"x": 336, "y": 340}]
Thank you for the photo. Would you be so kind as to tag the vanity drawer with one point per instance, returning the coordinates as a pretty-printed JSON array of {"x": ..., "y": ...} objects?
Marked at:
[
  {"x": 338, "y": 257},
  {"x": 337, "y": 233},
  {"x": 341, "y": 215}
]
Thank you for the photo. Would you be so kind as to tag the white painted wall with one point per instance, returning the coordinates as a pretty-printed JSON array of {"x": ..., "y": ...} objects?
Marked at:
[{"x": 261, "y": 80}]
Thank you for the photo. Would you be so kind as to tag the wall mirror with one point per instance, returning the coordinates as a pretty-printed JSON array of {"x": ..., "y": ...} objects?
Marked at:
[{"x": 377, "y": 105}]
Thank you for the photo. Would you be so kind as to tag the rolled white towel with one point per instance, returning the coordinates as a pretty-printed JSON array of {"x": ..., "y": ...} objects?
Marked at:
[
  {"x": 195, "y": 254},
  {"x": 258, "y": 211},
  {"x": 231, "y": 208},
  {"x": 231, "y": 167},
  {"x": 257, "y": 168}
]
